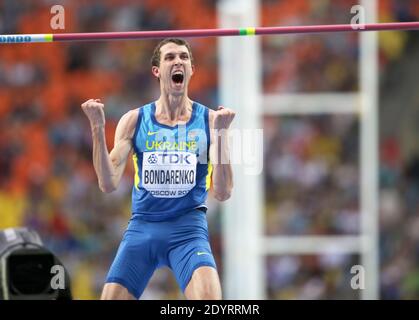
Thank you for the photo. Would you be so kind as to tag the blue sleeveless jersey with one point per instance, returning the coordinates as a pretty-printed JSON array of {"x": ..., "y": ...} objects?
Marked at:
[{"x": 172, "y": 168}]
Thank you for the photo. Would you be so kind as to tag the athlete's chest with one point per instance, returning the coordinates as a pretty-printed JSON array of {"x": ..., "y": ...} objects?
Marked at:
[
  {"x": 169, "y": 160},
  {"x": 181, "y": 138}
]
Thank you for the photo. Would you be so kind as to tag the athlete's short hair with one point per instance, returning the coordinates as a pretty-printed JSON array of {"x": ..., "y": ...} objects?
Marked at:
[{"x": 155, "y": 59}]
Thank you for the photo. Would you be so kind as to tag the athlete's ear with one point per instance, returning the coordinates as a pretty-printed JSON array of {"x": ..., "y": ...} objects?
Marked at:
[
  {"x": 155, "y": 71},
  {"x": 193, "y": 69}
]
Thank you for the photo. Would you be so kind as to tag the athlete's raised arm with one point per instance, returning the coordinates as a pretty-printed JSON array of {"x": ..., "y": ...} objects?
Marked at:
[
  {"x": 222, "y": 175},
  {"x": 109, "y": 167}
]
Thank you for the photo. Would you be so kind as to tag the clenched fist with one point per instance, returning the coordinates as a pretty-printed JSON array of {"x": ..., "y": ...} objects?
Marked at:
[
  {"x": 93, "y": 109},
  {"x": 223, "y": 118}
]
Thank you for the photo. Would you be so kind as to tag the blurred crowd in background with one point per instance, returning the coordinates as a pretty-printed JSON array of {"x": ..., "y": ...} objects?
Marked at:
[{"x": 311, "y": 163}]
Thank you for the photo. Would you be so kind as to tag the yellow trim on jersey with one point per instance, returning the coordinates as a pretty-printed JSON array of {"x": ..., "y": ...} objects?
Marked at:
[
  {"x": 137, "y": 175},
  {"x": 208, "y": 178}
]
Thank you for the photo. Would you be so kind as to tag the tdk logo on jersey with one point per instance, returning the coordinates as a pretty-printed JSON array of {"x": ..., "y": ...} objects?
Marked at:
[
  {"x": 169, "y": 158},
  {"x": 174, "y": 158}
]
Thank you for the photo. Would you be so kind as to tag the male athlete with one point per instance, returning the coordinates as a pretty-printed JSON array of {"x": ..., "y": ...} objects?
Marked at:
[{"x": 178, "y": 146}]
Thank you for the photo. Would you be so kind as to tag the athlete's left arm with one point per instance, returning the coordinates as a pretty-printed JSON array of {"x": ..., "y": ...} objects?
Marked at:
[{"x": 222, "y": 174}]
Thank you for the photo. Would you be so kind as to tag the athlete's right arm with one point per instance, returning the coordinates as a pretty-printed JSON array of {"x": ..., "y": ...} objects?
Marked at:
[{"x": 109, "y": 167}]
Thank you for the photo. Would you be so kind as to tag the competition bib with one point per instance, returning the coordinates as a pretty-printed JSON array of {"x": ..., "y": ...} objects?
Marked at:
[{"x": 169, "y": 174}]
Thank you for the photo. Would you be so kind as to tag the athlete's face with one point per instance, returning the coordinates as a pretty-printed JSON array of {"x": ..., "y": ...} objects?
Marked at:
[{"x": 175, "y": 69}]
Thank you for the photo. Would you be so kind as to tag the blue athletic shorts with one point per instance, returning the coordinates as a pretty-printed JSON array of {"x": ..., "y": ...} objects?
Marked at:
[{"x": 181, "y": 243}]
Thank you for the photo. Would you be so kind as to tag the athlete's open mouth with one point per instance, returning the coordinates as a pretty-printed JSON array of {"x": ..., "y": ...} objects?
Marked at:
[{"x": 177, "y": 77}]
